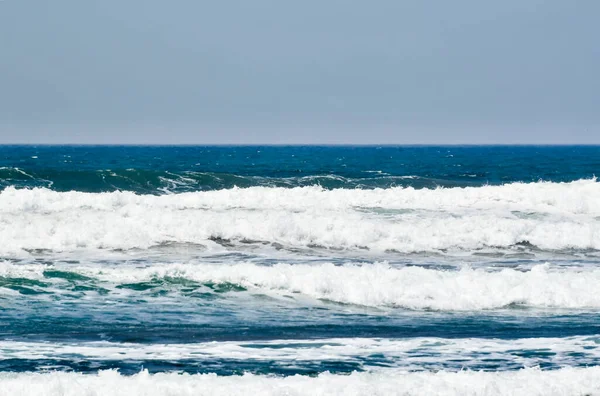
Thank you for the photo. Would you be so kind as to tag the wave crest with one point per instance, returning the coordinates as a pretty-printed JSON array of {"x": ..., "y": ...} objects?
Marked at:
[
  {"x": 376, "y": 285},
  {"x": 549, "y": 216}
]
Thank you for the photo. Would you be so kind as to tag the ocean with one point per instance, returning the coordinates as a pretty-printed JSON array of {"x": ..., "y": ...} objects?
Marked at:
[{"x": 272, "y": 270}]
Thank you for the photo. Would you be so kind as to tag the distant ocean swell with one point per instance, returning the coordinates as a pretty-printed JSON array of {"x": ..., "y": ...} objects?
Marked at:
[{"x": 168, "y": 182}]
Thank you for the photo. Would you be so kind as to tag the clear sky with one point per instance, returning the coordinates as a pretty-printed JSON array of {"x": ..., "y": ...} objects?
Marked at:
[{"x": 310, "y": 71}]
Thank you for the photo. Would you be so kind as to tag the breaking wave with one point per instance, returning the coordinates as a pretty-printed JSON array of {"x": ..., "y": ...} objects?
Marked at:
[
  {"x": 547, "y": 216},
  {"x": 376, "y": 285}
]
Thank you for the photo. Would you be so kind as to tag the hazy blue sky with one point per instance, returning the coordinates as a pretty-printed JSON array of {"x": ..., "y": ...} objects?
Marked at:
[{"x": 276, "y": 71}]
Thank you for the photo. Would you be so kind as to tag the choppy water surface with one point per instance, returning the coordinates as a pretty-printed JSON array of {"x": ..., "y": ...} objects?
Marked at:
[{"x": 278, "y": 270}]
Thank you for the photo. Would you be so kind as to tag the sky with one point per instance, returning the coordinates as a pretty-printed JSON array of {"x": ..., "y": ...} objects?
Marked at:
[{"x": 299, "y": 72}]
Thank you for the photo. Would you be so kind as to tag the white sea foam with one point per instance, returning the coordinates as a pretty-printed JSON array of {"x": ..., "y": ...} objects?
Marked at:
[
  {"x": 413, "y": 354},
  {"x": 531, "y": 382},
  {"x": 377, "y": 285},
  {"x": 576, "y": 197},
  {"x": 549, "y": 215}
]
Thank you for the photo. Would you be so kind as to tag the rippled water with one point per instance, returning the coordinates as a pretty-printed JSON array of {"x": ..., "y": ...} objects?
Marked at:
[{"x": 198, "y": 270}]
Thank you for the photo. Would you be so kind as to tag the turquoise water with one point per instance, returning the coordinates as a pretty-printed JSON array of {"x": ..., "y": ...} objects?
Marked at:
[{"x": 298, "y": 260}]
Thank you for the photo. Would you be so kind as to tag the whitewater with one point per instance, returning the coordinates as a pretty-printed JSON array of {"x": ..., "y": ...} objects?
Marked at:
[
  {"x": 369, "y": 284},
  {"x": 547, "y": 216},
  {"x": 531, "y": 382},
  {"x": 299, "y": 270}
]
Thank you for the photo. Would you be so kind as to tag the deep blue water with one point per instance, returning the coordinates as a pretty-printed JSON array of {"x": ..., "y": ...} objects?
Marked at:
[
  {"x": 147, "y": 169},
  {"x": 491, "y": 264}
]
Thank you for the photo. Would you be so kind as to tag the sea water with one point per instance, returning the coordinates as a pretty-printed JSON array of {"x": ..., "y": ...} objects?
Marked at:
[{"x": 299, "y": 270}]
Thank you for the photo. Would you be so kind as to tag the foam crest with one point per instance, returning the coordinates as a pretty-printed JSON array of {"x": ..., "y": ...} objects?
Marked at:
[
  {"x": 578, "y": 197},
  {"x": 381, "y": 285},
  {"x": 551, "y": 216},
  {"x": 567, "y": 381},
  {"x": 376, "y": 285}
]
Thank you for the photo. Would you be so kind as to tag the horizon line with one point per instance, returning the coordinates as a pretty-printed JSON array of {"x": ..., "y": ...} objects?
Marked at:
[{"x": 300, "y": 144}]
